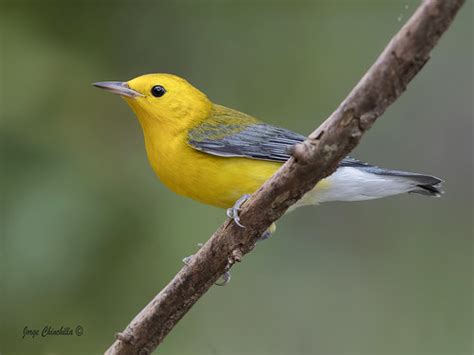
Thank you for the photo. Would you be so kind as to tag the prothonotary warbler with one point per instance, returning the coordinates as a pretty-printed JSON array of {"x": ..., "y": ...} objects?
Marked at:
[{"x": 216, "y": 155}]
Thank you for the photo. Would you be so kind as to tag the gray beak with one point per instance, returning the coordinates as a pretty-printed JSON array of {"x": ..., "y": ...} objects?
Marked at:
[{"x": 117, "y": 87}]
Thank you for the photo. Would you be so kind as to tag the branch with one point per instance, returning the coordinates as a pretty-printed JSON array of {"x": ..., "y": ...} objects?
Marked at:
[{"x": 311, "y": 161}]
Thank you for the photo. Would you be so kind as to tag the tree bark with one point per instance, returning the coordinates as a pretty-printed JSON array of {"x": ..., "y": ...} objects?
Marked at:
[{"x": 311, "y": 161}]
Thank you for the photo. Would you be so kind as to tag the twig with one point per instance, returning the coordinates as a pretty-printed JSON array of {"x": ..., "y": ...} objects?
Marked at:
[{"x": 312, "y": 160}]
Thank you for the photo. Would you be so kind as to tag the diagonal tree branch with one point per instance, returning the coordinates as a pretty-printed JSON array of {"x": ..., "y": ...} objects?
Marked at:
[{"x": 311, "y": 161}]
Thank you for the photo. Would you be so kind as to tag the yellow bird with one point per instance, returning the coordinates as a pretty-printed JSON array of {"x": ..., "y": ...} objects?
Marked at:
[{"x": 216, "y": 155}]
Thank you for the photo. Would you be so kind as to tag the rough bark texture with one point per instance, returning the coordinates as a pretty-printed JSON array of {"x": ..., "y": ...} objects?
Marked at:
[{"x": 312, "y": 160}]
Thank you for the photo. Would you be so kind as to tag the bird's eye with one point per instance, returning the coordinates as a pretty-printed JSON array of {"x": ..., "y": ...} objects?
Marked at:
[{"x": 158, "y": 91}]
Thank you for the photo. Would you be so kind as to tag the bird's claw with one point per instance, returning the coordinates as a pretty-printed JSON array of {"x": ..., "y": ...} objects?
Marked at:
[
  {"x": 186, "y": 260},
  {"x": 233, "y": 212},
  {"x": 225, "y": 279},
  {"x": 225, "y": 276}
]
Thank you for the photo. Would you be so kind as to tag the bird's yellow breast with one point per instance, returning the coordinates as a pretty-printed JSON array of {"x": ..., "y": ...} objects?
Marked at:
[{"x": 203, "y": 177}]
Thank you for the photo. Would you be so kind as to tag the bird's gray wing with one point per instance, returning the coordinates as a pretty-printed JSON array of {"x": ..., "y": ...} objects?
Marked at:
[{"x": 255, "y": 141}]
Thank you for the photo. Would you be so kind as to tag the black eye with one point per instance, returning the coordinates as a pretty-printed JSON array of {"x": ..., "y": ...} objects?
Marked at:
[{"x": 158, "y": 91}]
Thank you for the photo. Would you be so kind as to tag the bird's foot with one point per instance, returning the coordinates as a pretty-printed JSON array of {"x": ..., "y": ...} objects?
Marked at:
[
  {"x": 186, "y": 260},
  {"x": 233, "y": 212},
  {"x": 225, "y": 279},
  {"x": 225, "y": 276}
]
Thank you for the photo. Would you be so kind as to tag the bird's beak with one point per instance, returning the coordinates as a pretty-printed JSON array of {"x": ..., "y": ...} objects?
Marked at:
[{"x": 118, "y": 87}]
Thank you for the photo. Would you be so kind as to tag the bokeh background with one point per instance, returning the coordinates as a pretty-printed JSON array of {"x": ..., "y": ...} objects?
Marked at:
[{"x": 89, "y": 235}]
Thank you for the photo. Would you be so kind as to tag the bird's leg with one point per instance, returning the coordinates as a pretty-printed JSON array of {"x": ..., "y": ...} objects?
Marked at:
[
  {"x": 233, "y": 212},
  {"x": 225, "y": 276}
]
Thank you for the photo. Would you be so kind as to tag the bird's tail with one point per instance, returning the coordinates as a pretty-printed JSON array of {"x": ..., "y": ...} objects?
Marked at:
[
  {"x": 349, "y": 183},
  {"x": 425, "y": 184},
  {"x": 415, "y": 183}
]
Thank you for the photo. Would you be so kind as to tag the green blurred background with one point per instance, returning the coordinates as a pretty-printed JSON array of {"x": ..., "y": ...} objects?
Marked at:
[{"x": 89, "y": 235}]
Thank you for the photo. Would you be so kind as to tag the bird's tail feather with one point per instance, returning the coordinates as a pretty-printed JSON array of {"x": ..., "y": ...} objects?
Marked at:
[
  {"x": 367, "y": 182},
  {"x": 427, "y": 185},
  {"x": 370, "y": 182}
]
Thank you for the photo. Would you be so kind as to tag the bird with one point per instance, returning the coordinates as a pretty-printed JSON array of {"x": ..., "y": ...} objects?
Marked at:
[{"x": 219, "y": 156}]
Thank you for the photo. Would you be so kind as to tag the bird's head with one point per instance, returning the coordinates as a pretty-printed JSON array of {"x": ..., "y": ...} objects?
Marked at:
[{"x": 162, "y": 99}]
